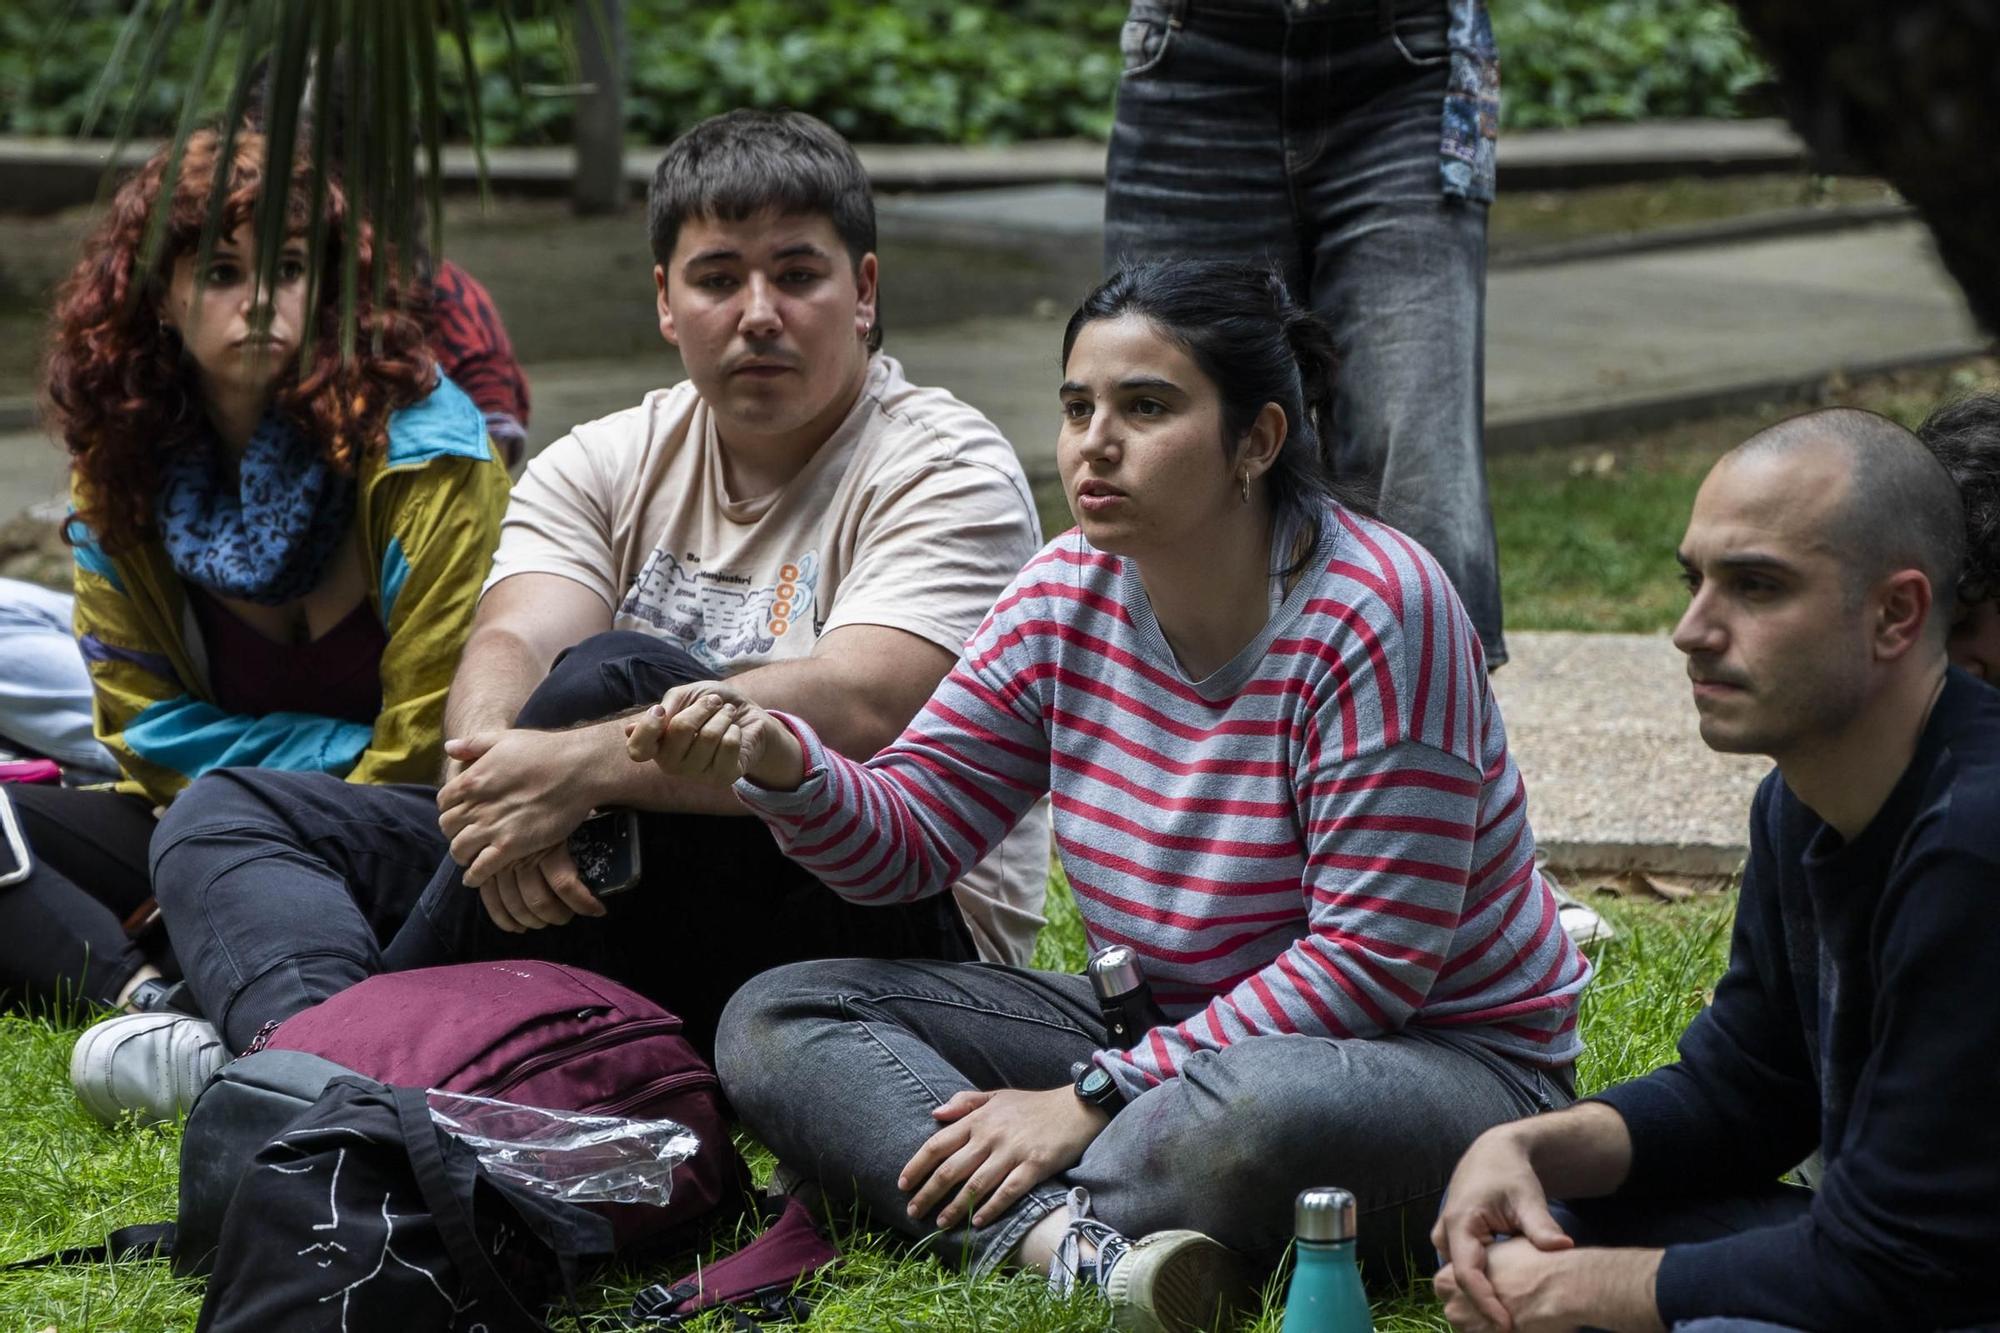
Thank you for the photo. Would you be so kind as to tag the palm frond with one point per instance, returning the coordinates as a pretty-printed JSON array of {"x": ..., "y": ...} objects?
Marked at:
[{"x": 358, "y": 84}]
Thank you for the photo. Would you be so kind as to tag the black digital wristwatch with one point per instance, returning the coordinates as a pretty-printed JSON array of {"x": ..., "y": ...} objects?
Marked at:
[{"x": 1094, "y": 1087}]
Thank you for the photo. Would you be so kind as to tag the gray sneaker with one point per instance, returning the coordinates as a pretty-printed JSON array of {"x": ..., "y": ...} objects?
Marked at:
[
  {"x": 152, "y": 1065},
  {"x": 1166, "y": 1282}
]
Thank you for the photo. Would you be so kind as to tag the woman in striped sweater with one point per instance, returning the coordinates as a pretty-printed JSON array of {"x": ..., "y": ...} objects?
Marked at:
[{"x": 1277, "y": 774}]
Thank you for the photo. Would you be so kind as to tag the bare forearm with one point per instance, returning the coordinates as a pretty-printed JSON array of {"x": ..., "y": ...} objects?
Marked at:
[
  {"x": 1612, "y": 1289},
  {"x": 497, "y": 672},
  {"x": 851, "y": 708},
  {"x": 1581, "y": 1153}
]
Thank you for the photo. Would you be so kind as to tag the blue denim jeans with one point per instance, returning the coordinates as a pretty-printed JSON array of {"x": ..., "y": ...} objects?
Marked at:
[
  {"x": 44, "y": 684},
  {"x": 1305, "y": 133},
  {"x": 837, "y": 1066}
]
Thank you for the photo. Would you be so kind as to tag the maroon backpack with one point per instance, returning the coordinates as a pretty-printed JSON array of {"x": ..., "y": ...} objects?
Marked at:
[{"x": 540, "y": 1034}]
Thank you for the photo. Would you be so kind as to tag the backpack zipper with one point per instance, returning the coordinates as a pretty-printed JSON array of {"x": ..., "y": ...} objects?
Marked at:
[
  {"x": 548, "y": 1059},
  {"x": 671, "y": 1082}
]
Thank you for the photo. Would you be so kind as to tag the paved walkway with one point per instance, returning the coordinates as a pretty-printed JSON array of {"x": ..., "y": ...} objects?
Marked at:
[
  {"x": 50, "y": 173},
  {"x": 1604, "y": 730}
]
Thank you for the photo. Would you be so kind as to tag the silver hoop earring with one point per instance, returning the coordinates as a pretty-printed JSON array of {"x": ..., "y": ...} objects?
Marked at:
[{"x": 1243, "y": 484}]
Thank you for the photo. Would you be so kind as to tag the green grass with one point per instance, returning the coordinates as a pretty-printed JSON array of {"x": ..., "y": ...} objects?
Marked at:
[
  {"x": 1587, "y": 532},
  {"x": 65, "y": 1180}
]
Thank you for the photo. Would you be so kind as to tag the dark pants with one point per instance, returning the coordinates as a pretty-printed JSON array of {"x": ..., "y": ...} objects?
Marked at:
[
  {"x": 62, "y": 935},
  {"x": 1657, "y": 1223},
  {"x": 1306, "y": 135},
  {"x": 281, "y": 889}
]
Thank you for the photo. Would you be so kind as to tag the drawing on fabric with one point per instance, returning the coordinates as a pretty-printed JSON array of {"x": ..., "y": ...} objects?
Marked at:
[
  {"x": 322, "y": 1254},
  {"x": 718, "y": 616},
  {"x": 346, "y": 1293}
]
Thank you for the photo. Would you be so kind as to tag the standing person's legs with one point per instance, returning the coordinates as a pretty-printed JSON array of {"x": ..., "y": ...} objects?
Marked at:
[
  {"x": 717, "y": 902},
  {"x": 62, "y": 933},
  {"x": 44, "y": 684},
  {"x": 838, "y": 1065},
  {"x": 1196, "y": 165},
  {"x": 1399, "y": 272},
  {"x": 278, "y": 889}
]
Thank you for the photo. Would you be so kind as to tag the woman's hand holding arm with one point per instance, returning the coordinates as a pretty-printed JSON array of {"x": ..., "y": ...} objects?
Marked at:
[{"x": 711, "y": 733}]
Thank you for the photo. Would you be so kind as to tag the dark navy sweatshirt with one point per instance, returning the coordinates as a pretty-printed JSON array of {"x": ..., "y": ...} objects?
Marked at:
[{"x": 1861, "y": 1012}]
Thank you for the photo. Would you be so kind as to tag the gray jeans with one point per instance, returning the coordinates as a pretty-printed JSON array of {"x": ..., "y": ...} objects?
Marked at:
[
  {"x": 1305, "y": 133},
  {"x": 837, "y": 1066}
]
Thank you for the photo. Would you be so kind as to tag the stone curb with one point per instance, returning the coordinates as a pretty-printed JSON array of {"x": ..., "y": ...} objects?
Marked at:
[
  {"x": 1512, "y": 431},
  {"x": 1772, "y": 225},
  {"x": 44, "y": 174}
]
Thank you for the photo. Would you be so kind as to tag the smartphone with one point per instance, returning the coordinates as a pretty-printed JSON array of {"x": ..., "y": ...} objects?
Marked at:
[
  {"x": 605, "y": 848},
  {"x": 14, "y": 864}
]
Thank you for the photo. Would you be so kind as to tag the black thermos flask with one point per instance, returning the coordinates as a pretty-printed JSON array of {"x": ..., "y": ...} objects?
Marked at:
[{"x": 1124, "y": 996}]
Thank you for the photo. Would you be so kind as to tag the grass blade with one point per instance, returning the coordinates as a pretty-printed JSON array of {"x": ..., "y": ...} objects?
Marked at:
[
  {"x": 461, "y": 31},
  {"x": 423, "y": 44},
  {"x": 284, "y": 93},
  {"x": 358, "y": 90},
  {"x": 149, "y": 70},
  {"x": 128, "y": 33},
  {"x": 255, "y": 20},
  {"x": 322, "y": 142},
  {"x": 211, "y": 46}
]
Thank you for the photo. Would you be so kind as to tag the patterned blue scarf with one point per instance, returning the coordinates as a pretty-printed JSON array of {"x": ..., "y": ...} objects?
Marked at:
[{"x": 269, "y": 540}]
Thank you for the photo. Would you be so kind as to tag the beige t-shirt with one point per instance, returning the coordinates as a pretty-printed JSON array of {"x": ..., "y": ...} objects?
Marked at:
[{"x": 914, "y": 514}]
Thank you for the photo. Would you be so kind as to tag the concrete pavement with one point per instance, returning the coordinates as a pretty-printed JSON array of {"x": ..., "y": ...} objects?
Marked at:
[
  {"x": 1603, "y": 728},
  {"x": 47, "y": 173}
]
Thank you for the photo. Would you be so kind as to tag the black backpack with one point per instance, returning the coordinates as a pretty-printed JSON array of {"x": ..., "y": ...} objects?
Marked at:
[{"x": 363, "y": 1214}]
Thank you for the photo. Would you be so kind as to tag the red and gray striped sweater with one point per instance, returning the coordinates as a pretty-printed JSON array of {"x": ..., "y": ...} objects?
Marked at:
[{"x": 1326, "y": 836}]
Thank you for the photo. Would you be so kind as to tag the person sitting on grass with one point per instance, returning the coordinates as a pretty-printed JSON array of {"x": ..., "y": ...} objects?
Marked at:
[
  {"x": 796, "y": 514},
  {"x": 277, "y": 558},
  {"x": 1965, "y": 437},
  {"x": 1855, "y": 1012},
  {"x": 1278, "y": 775}
]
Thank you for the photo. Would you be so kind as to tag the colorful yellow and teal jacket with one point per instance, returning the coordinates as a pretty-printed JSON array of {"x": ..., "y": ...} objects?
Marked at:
[{"x": 429, "y": 508}]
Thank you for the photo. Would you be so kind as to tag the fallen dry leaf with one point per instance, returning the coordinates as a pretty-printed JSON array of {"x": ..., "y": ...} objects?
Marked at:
[{"x": 1651, "y": 885}]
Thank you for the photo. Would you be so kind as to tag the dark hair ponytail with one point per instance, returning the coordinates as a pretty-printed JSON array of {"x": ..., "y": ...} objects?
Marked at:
[
  {"x": 1318, "y": 360},
  {"x": 1257, "y": 345}
]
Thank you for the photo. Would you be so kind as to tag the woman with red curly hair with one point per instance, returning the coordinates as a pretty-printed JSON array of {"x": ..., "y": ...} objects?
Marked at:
[{"x": 278, "y": 546}]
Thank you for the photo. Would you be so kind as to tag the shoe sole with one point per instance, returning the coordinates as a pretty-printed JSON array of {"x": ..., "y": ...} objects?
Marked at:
[{"x": 1178, "y": 1282}]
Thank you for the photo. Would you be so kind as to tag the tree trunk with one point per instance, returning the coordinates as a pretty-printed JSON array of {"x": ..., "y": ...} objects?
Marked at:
[
  {"x": 1909, "y": 89},
  {"x": 599, "y": 185}
]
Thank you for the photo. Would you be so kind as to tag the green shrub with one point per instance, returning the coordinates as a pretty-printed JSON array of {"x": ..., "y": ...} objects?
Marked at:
[
  {"x": 1564, "y": 62},
  {"x": 912, "y": 71}
]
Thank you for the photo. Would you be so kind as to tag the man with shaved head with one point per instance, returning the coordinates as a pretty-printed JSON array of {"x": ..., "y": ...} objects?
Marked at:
[{"x": 1857, "y": 1013}]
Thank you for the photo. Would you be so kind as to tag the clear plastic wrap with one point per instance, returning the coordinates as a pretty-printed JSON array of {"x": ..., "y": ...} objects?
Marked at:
[{"x": 569, "y": 1155}]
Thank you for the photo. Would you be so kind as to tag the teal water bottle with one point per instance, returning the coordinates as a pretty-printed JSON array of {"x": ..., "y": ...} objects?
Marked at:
[{"x": 1326, "y": 1294}]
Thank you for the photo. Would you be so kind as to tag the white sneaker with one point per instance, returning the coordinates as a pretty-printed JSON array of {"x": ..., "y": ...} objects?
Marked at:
[
  {"x": 153, "y": 1065},
  {"x": 1582, "y": 924},
  {"x": 1166, "y": 1282}
]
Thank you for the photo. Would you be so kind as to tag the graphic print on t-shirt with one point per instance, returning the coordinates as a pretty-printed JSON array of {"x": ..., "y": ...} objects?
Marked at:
[{"x": 726, "y": 619}]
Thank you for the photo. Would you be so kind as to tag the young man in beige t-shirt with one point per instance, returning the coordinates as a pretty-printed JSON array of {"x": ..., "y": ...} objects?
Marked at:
[{"x": 796, "y": 516}]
